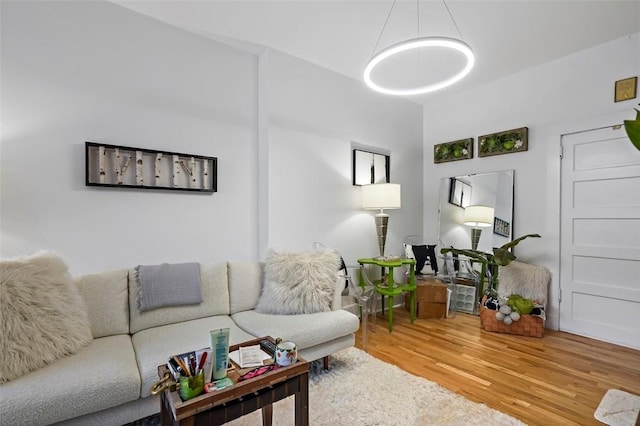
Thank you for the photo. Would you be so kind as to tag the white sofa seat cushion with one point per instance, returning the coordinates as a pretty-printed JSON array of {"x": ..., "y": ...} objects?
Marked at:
[
  {"x": 327, "y": 348},
  {"x": 305, "y": 330},
  {"x": 100, "y": 376},
  {"x": 154, "y": 346}
]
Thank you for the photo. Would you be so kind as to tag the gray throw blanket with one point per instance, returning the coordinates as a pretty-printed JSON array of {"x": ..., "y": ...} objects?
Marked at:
[{"x": 167, "y": 285}]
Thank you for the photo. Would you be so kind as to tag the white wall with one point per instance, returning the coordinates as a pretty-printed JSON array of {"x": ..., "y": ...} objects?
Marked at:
[
  {"x": 281, "y": 129},
  {"x": 75, "y": 72},
  {"x": 315, "y": 116},
  {"x": 569, "y": 94}
]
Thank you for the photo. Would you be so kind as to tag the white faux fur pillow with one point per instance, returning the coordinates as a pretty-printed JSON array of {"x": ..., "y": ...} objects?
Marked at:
[
  {"x": 529, "y": 281},
  {"x": 299, "y": 283},
  {"x": 42, "y": 315}
]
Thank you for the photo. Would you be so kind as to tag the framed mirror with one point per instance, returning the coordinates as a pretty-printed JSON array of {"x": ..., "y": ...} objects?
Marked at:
[{"x": 493, "y": 189}]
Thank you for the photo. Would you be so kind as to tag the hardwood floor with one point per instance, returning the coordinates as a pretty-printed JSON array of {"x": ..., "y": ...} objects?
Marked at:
[{"x": 555, "y": 380}]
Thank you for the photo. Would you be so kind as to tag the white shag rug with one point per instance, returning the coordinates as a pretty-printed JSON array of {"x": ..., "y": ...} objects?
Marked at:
[{"x": 359, "y": 390}]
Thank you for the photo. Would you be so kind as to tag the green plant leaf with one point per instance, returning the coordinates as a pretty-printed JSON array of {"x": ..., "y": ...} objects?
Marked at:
[
  {"x": 473, "y": 254},
  {"x": 502, "y": 256},
  {"x": 517, "y": 240},
  {"x": 632, "y": 128}
]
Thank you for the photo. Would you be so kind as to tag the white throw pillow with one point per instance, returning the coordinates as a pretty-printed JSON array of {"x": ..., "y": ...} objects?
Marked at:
[
  {"x": 528, "y": 280},
  {"x": 299, "y": 283},
  {"x": 43, "y": 317}
]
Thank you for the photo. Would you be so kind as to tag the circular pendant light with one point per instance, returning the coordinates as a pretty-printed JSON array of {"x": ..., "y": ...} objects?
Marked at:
[{"x": 419, "y": 43}]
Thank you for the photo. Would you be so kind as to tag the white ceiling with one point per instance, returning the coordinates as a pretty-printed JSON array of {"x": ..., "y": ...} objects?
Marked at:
[{"x": 506, "y": 36}]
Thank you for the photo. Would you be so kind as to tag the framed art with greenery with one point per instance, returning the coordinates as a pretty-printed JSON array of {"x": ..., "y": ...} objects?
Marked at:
[
  {"x": 451, "y": 151},
  {"x": 515, "y": 140}
]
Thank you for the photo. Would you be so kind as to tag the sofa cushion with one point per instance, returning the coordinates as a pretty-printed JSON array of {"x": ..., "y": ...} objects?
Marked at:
[
  {"x": 299, "y": 283},
  {"x": 327, "y": 348},
  {"x": 305, "y": 330},
  {"x": 100, "y": 376},
  {"x": 215, "y": 295},
  {"x": 245, "y": 285},
  {"x": 107, "y": 298},
  {"x": 43, "y": 317},
  {"x": 155, "y": 345}
]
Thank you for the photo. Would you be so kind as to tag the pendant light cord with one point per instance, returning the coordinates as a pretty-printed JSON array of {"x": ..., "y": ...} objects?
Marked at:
[
  {"x": 418, "y": 18},
  {"x": 418, "y": 22},
  {"x": 454, "y": 21},
  {"x": 383, "y": 27}
]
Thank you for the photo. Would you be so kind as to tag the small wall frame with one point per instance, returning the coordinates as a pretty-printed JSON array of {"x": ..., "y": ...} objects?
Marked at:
[
  {"x": 501, "y": 227},
  {"x": 459, "y": 192},
  {"x": 127, "y": 167},
  {"x": 370, "y": 167}
]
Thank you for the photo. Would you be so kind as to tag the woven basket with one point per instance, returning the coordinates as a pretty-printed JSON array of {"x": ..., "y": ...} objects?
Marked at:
[{"x": 527, "y": 325}]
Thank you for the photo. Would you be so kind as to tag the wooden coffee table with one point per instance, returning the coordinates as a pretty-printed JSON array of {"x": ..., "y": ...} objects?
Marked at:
[{"x": 242, "y": 398}]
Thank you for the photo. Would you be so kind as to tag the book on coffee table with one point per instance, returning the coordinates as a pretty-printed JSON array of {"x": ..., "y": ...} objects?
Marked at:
[{"x": 249, "y": 356}]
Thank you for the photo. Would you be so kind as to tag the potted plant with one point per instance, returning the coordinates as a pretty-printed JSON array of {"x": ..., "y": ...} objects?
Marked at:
[
  {"x": 632, "y": 127},
  {"x": 501, "y": 256}
]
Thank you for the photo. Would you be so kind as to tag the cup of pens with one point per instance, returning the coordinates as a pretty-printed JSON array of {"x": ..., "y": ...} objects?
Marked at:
[
  {"x": 191, "y": 382},
  {"x": 191, "y": 386}
]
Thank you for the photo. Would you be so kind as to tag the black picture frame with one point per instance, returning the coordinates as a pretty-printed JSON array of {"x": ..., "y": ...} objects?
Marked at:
[
  {"x": 195, "y": 173},
  {"x": 370, "y": 167},
  {"x": 501, "y": 227}
]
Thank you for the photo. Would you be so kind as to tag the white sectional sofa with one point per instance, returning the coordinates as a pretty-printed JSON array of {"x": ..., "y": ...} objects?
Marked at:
[{"x": 108, "y": 382}]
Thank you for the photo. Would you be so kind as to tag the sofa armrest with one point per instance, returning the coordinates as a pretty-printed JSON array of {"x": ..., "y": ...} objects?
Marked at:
[{"x": 336, "y": 303}]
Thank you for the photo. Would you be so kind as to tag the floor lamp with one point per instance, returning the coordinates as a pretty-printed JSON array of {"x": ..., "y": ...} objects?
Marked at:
[
  {"x": 478, "y": 217},
  {"x": 381, "y": 196}
]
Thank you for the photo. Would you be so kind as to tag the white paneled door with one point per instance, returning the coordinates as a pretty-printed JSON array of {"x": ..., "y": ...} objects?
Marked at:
[{"x": 600, "y": 236}]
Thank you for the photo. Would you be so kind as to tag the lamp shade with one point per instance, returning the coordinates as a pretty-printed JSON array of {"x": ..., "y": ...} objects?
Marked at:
[
  {"x": 478, "y": 216},
  {"x": 381, "y": 196}
]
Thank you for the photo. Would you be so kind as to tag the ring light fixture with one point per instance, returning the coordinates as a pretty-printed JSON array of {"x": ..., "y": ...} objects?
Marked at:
[{"x": 418, "y": 43}]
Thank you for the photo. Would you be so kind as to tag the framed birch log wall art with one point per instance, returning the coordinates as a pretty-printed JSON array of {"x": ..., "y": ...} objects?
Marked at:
[
  {"x": 452, "y": 151},
  {"x": 515, "y": 140},
  {"x": 126, "y": 167}
]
